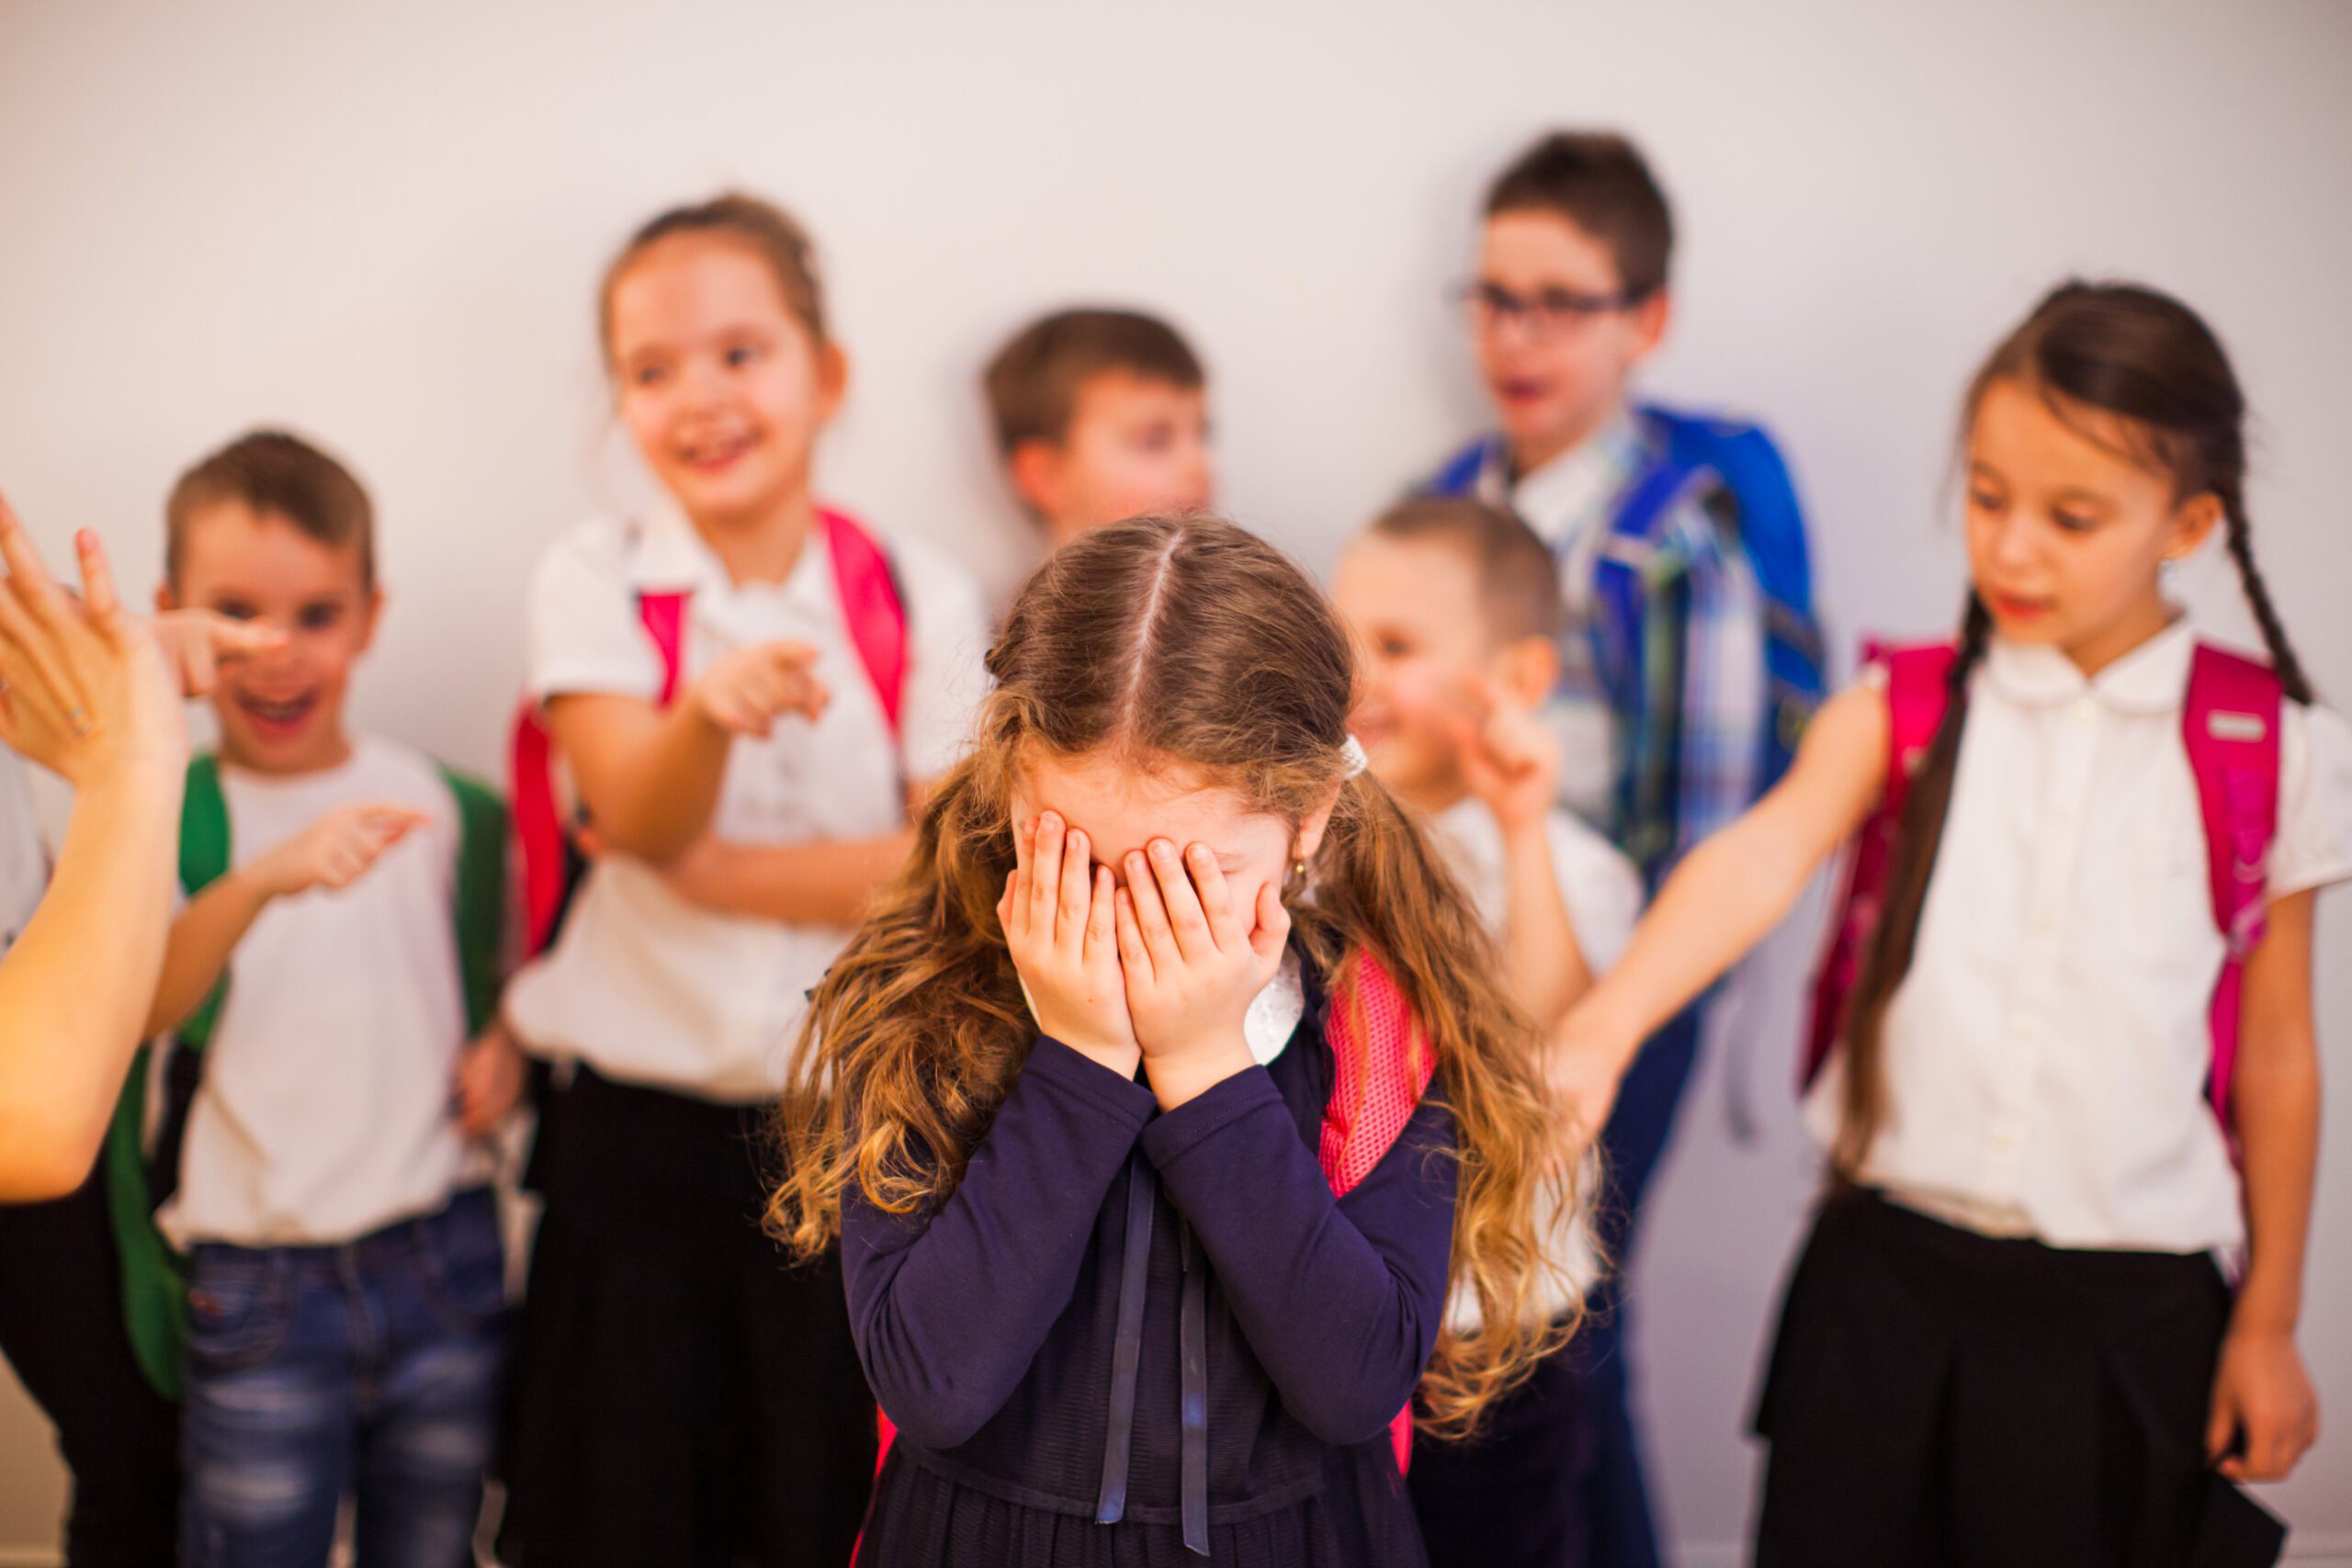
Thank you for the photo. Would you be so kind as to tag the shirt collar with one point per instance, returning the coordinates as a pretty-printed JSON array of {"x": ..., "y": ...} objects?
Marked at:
[
  {"x": 2152, "y": 678},
  {"x": 671, "y": 557},
  {"x": 1563, "y": 496}
]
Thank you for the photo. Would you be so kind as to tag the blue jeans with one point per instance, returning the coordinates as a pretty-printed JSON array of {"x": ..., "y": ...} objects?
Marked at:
[{"x": 370, "y": 1369}]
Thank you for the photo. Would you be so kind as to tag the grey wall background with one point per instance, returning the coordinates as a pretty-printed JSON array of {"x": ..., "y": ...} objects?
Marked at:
[{"x": 383, "y": 225}]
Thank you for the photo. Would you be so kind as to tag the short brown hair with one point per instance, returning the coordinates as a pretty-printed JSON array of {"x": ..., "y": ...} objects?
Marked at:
[
  {"x": 1033, "y": 383},
  {"x": 1600, "y": 182},
  {"x": 761, "y": 226},
  {"x": 274, "y": 474},
  {"x": 1517, "y": 584}
]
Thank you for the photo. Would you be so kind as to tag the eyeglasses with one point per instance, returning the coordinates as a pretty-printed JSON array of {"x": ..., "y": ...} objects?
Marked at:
[{"x": 1551, "y": 311}]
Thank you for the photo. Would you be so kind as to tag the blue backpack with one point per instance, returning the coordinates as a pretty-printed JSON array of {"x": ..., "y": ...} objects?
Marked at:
[{"x": 1701, "y": 449}]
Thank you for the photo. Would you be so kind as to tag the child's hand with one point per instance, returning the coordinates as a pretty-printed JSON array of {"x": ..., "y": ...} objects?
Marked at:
[
  {"x": 1582, "y": 1068},
  {"x": 1059, "y": 930},
  {"x": 747, "y": 690},
  {"x": 2261, "y": 1388},
  {"x": 336, "y": 851},
  {"x": 196, "y": 643},
  {"x": 694, "y": 875},
  {"x": 1508, "y": 758},
  {"x": 1194, "y": 963},
  {"x": 491, "y": 1072}
]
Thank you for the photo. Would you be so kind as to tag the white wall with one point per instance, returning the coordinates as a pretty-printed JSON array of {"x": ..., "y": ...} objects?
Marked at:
[{"x": 383, "y": 225}]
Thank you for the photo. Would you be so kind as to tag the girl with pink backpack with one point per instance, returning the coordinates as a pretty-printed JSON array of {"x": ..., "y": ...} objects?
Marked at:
[
  {"x": 2064, "y": 1064},
  {"x": 1164, "y": 1096}
]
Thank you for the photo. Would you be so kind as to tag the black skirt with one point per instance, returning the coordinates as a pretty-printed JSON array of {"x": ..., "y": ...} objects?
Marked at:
[
  {"x": 1941, "y": 1399},
  {"x": 681, "y": 1396}
]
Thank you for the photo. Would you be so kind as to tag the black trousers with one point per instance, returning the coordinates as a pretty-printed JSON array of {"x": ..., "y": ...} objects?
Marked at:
[
  {"x": 61, "y": 1329},
  {"x": 1941, "y": 1399}
]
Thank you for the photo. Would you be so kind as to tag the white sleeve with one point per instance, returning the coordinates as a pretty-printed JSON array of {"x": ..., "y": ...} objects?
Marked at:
[
  {"x": 2313, "y": 845},
  {"x": 947, "y": 637},
  {"x": 1600, "y": 887},
  {"x": 585, "y": 633}
]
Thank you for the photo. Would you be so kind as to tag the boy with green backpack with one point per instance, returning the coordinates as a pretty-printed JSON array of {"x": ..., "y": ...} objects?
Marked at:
[{"x": 317, "y": 1170}]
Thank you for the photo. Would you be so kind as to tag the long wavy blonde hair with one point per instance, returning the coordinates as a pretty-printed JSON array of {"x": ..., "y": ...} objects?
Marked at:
[{"x": 1186, "y": 642}]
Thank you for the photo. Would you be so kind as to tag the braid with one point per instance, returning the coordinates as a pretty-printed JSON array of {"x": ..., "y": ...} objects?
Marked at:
[
  {"x": 1887, "y": 959},
  {"x": 2238, "y": 536}
]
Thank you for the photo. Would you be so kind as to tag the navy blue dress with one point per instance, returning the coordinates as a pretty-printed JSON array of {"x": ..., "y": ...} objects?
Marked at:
[{"x": 1103, "y": 1271}]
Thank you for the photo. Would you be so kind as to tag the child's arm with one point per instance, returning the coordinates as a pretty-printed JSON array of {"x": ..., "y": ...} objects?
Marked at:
[
  {"x": 828, "y": 883},
  {"x": 1511, "y": 764},
  {"x": 333, "y": 852},
  {"x": 1725, "y": 897},
  {"x": 651, "y": 775},
  {"x": 2260, "y": 1385}
]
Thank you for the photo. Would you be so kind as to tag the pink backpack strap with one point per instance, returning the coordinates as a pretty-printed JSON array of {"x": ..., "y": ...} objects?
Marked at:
[
  {"x": 1919, "y": 690},
  {"x": 871, "y": 606},
  {"x": 2230, "y": 723},
  {"x": 1383, "y": 1065},
  {"x": 541, "y": 839}
]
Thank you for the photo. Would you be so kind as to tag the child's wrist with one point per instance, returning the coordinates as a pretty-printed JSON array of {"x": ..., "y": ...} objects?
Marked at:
[{"x": 1188, "y": 1071}]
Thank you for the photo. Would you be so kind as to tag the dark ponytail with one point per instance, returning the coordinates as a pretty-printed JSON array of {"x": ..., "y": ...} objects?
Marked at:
[{"x": 2135, "y": 354}]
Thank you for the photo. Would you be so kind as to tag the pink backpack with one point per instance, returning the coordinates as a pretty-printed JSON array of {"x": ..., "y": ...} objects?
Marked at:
[
  {"x": 877, "y": 617},
  {"x": 2229, "y": 725}
]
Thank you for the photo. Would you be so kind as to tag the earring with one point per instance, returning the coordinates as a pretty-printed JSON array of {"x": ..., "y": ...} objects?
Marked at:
[{"x": 1297, "y": 877}]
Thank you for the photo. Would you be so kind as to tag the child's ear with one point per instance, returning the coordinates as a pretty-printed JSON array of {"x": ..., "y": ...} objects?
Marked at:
[
  {"x": 2193, "y": 523},
  {"x": 1650, "y": 320},
  {"x": 1035, "y": 470},
  {"x": 1312, "y": 827},
  {"x": 371, "y": 610},
  {"x": 1524, "y": 669},
  {"x": 833, "y": 378},
  {"x": 165, "y": 600}
]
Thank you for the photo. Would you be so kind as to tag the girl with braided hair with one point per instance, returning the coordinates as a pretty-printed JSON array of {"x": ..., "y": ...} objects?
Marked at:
[{"x": 2057, "y": 1089}]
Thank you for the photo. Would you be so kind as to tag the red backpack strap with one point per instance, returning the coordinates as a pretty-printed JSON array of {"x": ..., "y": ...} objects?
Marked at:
[
  {"x": 871, "y": 605},
  {"x": 541, "y": 842},
  {"x": 1919, "y": 690},
  {"x": 2229, "y": 725},
  {"x": 1383, "y": 1065}
]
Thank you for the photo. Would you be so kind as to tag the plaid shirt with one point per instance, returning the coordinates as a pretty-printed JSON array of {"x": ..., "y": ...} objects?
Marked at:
[{"x": 1685, "y": 749}]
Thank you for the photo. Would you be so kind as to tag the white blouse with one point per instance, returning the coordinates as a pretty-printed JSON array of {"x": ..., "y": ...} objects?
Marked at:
[{"x": 2046, "y": 1057}]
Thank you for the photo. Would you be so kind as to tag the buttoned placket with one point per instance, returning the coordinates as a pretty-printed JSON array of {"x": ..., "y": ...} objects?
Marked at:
[{"x": 2034, "y": 981}]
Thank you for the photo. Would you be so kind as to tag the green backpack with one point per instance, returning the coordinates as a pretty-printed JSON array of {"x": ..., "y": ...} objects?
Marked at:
[{"x": 154, "y": 1276}]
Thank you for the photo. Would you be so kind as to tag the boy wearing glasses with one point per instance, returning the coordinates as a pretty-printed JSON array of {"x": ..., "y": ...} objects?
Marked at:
[{"x": 1690, "y": 661}]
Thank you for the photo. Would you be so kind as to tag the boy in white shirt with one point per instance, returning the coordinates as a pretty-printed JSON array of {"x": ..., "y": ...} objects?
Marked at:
[
  {"x": 345, "y": 1299},
  {"x": 1456, "y": 618}
]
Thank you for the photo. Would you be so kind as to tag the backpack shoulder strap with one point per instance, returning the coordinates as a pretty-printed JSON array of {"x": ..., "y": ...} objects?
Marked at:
[
  {"x": 1382, "y": 1062},
  {"x": 204, "y": 859},
  {"x": 1460, "y": 474},
  {"x": 542, "y": 845},
  {"x": 1917, "y": 692},
  {"x": 873, "y": 608},
  {"x": 480, "y": 894},
  {"x": 2230, "y": 726}
]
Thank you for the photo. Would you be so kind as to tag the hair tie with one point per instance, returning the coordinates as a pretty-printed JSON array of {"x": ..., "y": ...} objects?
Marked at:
[{"x": 1351, "y": 756}]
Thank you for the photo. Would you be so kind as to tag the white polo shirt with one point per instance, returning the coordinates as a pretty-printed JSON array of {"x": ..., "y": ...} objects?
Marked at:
[
  {"x": 644, "y": 987},
  {"x": 326, "y": 1108},
  {"x": 1604, "y": 894},
  {"x": 2046, "y": 1057}
]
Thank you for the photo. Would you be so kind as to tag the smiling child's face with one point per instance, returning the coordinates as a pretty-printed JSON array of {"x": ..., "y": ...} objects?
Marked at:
[
  {"x": 1121, "y": 809},
  {"x": 281, "y": 711}
]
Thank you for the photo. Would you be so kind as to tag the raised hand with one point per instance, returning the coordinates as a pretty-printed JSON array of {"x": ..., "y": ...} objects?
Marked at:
[
  {"x": 84, "y": 690},
  {"x": 1056, "y": 915},
  {"x": 1509, "y": 759},
  {"x": 196, "y": 643},
  {"x": 1194, "y": 958},
  {"x": 746, "y": 691}
]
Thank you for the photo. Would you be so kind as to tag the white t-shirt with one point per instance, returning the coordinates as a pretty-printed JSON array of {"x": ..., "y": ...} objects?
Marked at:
[
  {"x": 644, "y": 987},
  {"x": 1604, "y": 894},
  {"x": 2046, "y": 1057},
  {"x": 326, "y": 1108},
  {"x": 24, "y": 865}
]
